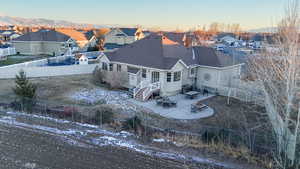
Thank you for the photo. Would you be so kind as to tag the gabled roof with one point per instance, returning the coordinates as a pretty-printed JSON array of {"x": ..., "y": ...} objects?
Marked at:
[
  {"x": 89, "y": 34},
  {"x": 157, "y": 51},
  {"x": 74, "y": 34},
  {"x": 222, "y": 35},
  {"x": 44, "y": 35},
  {"x": 257, "y": 37},
  {"x": 129, "y": 31},
  {"x": 175, "y": 36},
  {"x": 209, "y": 57}
]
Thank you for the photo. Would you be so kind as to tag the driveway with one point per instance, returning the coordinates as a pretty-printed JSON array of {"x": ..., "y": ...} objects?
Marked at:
[{"x": 183, "y": 109}]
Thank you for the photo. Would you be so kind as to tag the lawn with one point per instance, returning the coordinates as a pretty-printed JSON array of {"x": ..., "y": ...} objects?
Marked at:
[{"x": 15, "y": 59}]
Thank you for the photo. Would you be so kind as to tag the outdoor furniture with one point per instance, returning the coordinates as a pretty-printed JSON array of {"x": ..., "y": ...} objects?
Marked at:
[
  {"x": 186, "y": 88},
  {"x": 192, "y": 94},
  {"x": 197, "y": 107},
  {"x": 166, "y": 102}
]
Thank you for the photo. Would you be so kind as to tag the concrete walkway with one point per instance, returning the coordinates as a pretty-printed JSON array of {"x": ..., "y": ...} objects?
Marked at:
[{"x": 182, "y": 111}]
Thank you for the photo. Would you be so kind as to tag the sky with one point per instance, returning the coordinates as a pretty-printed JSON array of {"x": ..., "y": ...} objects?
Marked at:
[{"x": 164, "y": 14}]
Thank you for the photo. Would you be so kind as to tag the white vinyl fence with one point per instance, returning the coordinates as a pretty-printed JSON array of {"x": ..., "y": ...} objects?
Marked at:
[
  {"x": 46, "y": 71},
  {"x": 7, "y": 51}
]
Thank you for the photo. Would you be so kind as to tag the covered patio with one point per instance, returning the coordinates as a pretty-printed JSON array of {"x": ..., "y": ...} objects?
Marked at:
[{"x": 182, "y": 110}]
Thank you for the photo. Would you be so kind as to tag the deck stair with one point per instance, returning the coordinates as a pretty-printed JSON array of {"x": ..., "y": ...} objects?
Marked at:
[{"x": 145, "y": 90}]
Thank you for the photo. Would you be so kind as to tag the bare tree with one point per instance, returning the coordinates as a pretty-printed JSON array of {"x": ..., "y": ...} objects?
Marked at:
[
  {"x": 278, "y": 72},
  {"x": 116, "y": 80}
]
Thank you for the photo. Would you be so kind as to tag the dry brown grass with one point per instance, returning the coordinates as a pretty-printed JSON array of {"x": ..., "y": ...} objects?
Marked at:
[{"x": 240, "y": 153}]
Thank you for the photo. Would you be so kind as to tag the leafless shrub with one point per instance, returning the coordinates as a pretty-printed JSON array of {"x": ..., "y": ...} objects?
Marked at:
[
  {"x": 116, "y": 80},
  {"x": 98, "y": 76},
  {"x": 278, "y": 72}
]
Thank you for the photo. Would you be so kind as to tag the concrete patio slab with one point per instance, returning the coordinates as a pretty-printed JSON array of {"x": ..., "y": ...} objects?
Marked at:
[{"x": 183, "y": 109}]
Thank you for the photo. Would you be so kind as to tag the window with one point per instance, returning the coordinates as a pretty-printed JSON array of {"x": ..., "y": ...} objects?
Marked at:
[
  {"x": 155, "y": 77},
  {"x": 177, "y": 76},
  {"x": 104, "y": 66},
  {"x": 111, "y": 67},
  {"x": 144, "y": 73},
  {"x": 119, "y": 68},
  {"x": 169, "y": 77}
]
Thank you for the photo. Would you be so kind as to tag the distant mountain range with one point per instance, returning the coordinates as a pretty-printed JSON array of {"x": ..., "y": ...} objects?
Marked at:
[
  {"x": 264, "y": 30},
  {"x": 9, "y": 20}
]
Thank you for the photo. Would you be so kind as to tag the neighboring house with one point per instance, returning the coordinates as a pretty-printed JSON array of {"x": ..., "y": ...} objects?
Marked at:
[
  {"x": 8, "y": 35},
  {"x": 6, "y": 50},
  {"x": 147, "y": 33},
  {"x": 83, "y": 40},
  {"x": 83, "y": 60},
  {"x": 187, "y": 39},
  {"x": 158, "y": 64},
  {"x": 47, "y": 42},
  {"x": 220, "y": 36},
  {"x": 122, "y": 36}
]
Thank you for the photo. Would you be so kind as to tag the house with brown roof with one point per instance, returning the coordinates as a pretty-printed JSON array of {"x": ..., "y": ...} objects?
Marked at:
[
  {"x": 158, "y": 64},
  {"x": 52, "y": 42},
  {"x": 83, "y": 40},
  {"x": 47, "y": 42}
]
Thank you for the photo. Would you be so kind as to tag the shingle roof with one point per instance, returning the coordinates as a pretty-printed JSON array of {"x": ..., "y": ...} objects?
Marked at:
[
  {"x": 157, "y": 51},
  {"x": 175, "y": 36},
  {"x": 74, "y": 34},
  {"x": 222, "y": 35},
  {"x": 112, "y": 46},
  {"x": 89, "y": 34},
  {"x": 129, "y": 31},
  {"x": 209, "y": 57},
  {"x": 153, "y": 51},
  {"x": 257, "y": 37},
  {"x": 44, "y": 35}
]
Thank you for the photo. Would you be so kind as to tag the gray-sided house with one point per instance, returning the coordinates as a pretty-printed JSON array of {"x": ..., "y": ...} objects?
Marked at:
[
  {"x": 48, "y": 42},
  {"x": 158, "y": 64},
  {"x": 119, "y": 37}
]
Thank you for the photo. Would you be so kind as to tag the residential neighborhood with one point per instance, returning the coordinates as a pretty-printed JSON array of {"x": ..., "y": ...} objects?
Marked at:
[{"x": 151, "y": 87}]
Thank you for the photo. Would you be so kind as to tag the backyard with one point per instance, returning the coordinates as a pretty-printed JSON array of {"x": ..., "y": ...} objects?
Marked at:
[
  {"x": 81, "y": 94},
  {"x": 80, "y": 91},
  {"x": 15, "y": 59}
]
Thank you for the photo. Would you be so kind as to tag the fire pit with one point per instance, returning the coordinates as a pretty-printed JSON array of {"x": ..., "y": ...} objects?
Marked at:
[{"x": 197, "y": 107}]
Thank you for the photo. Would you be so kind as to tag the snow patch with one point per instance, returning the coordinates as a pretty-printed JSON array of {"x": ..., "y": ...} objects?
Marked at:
[
  {"x": 159, "y": 140},
  {"x": 38, "y": 116},
  {"x": 92, "y": 96},
  {"x": 108, "y": 139}
]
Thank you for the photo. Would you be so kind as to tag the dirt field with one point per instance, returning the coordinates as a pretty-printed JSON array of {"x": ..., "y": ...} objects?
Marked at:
[
  {"x": 34, "y": 142},
  {"x": 21, "y": 148}
]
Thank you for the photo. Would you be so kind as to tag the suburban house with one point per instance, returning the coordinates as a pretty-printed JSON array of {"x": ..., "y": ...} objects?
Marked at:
[
  {"x": 119, "y": 37},
  {"x": 187, "y": 39},
  {"x": 158, "y": 64},
  {"x": 83, "y": 40},
  {"x": 7, "y": 35},
  {"x": 48, "y": 42}
]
